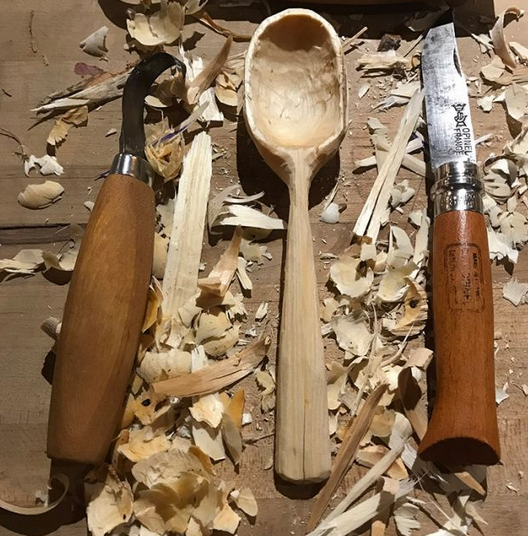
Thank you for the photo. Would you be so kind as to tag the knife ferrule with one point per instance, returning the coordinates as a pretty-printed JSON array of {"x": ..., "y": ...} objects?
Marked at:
[
  {"x": 132, "y": 165},
  {"x": 457, "y": 187}
]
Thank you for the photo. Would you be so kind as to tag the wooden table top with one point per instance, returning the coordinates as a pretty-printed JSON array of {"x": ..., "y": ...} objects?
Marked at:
[{"x": 26, "y": 77}]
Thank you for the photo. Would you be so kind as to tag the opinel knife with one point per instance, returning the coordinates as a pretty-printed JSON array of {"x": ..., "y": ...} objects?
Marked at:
[
  {"x": 463, "y": 427},
  {"x": 108, "y": 292}
]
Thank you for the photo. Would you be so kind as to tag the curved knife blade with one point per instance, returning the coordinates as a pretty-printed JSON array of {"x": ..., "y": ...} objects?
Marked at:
[{"x": 446, "y": 98}]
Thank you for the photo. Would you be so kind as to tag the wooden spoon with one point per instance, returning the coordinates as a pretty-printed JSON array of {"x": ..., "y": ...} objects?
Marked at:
[{"x": 295, "y": 109}]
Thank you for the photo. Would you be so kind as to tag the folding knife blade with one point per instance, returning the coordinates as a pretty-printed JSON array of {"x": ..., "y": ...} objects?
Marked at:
[{"x": 446, "y": 98}]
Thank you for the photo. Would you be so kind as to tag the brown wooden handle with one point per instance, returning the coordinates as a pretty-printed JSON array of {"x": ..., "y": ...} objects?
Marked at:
[
  {"x": 102, "y": 322},
  {"x": 463, "y": 427},
  {"x": 302, "y": 434}
]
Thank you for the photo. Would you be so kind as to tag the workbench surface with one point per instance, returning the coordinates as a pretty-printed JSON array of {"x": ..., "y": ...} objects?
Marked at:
[{"x": 26, "y": 76}]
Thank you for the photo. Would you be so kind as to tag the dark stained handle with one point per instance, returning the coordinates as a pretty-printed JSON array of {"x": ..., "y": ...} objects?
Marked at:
[
  {"x": 102, "y": 322},
  {"x": 463, "y": 427}
]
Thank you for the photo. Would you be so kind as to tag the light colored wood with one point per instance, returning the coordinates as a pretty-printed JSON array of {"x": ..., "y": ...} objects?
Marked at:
[
  {"x": 24, "y": 303},
  {"x": 356, "y": 430},
  {"x": 295, "y": 108},
  {"x": 183, "y": 258},
  {"x": 463, "y": 427},
  {"x": 102, "y": 322},
  {"x": 375, "y": 207}
]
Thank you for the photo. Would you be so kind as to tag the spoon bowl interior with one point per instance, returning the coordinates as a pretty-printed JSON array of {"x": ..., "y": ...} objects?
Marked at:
[{"x": 295, "y": 91}]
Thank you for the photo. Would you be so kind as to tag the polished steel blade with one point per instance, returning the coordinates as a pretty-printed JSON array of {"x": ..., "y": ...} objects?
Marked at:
[{"x": 446, "y": 98}]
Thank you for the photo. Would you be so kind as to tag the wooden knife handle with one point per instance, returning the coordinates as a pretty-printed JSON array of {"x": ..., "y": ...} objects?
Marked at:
[
  {"x": 463, "y": 427},
  {"x": 102, "y": 322},
  {"x": 302, "y": 434}
]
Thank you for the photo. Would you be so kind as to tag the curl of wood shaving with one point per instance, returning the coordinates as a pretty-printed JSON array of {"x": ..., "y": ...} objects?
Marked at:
[
  {"x": 38, "y": 196},
  {"x": 39, "y": 509},
  {"x": 497, "y": 36},
  {"x": 243, "y": 216}
]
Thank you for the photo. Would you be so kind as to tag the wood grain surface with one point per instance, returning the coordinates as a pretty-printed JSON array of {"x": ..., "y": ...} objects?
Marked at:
[
  {"x": 463, "y": 426},
  {"x": 102, "y": 323},
  {"x": 25, "y": 79}
]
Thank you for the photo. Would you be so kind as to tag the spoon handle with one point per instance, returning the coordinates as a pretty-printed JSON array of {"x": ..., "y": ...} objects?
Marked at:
[{"x": 302, "y": 436}]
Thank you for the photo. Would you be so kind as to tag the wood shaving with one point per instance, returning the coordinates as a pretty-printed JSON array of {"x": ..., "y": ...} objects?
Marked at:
[
  {"x": 266, "y": 381},
  {"x": 243, "y": 216},
  {"x": 95, "y": 43},
  {"x": 401, "y": 194},
  {"x": 380, "y": 62},
  {"x": 74, "y": 117},
  {"x": 165, "y": 155},
  {"x": 369, "y": 220},
  {"x": 371, "y": 455},
  {"x": 486, "y": 103},
  {"x": 515, "y": 292},
  {"x": 516, "y": 100},
  {"x": 336, "y": 382},
  {"x": 145, "y": 442},
  {"x": 227, "y": 85},
  {"x": 352, "y": 277},
  {"x": 160, "y": 256},
  {"x": 232, "y": 425},
  {"x": 208, "y": 409},
  {"x": 497, "y": 36},
  {"x": 331, "y": 213},
  {"x": 357, "y": 428},
  {"x": 108, "y": 88},
  {"x": 353, "y": 335},
  {"x": 207, "y": 75},
  {"x": 25, "y": 262},
  {"x": 394, "y": 284},
  {"x": 243, "y": 277},
  {"x": 162, "y": 27},
  {"x": 520, "y": 51},
  {"x": 245, "y": 500},
  {"x": 494, "y": 71},
  {"x": 183, "y": 258},
  {"x": 38, "y": 196},
  {"x": 354, "y": 518},
  {"x": 502, "y": 394},
  {"x": 109, "y": 500},
  {"x": 47, "y": 164},
  {"x": 261, "y": 312},
  {"x": 405, "y": 519},
  {"x": 206, "y": 20},
  {"x": 363, "y": 89},
  {"x": 227, "y": 520},
  {"x": 219, "y": 280},
  {"x": 215, "y": 376},
  {"x": 65, "y": 260},
  {"x": 37, "y": 510}
]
